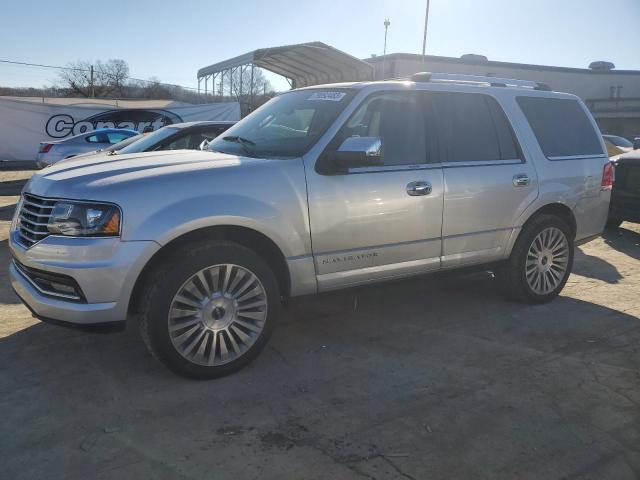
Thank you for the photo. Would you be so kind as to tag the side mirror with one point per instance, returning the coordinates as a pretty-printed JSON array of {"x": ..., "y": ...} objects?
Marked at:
[
  {"x": 204, "y": 145},
  {"x": 359, "y": 152},
  {"x": 636, "y": 143}
]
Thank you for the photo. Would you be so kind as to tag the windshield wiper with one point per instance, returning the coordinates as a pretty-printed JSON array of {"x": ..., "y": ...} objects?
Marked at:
[
  {"x": 239, "y": 139},
  {"x": 245, "y": 143}
]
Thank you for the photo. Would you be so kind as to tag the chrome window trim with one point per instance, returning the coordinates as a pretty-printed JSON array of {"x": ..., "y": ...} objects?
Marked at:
[
  {"x": 482, "y": 163},
  {"x": 433, "y": 166},
  {"x": 393, "y": 168},
  {"x": 576, "y": 157}
]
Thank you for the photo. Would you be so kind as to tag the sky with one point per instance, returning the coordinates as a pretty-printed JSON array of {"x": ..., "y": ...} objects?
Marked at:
[{"x": 172, "y": 40}]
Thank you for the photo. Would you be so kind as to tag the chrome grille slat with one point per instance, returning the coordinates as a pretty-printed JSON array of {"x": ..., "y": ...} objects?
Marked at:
[
  {"x": 33, "y": 218},
  {"x": 32, "y": 222},
  {"x": 35, "y": 213},
  {"x": 33, "y": 232},
  {"x": 26, "y": 202}
]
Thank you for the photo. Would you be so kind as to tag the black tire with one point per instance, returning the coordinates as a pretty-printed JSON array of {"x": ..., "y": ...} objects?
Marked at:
[
  {"x": 512, "y": 274},
  {"x": 613, "y": 223},
  {"x": 164, "y": 282}
]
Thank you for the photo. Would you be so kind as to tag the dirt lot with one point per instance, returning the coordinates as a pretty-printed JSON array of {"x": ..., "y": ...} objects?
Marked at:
[{"x": 436, "y": 378}]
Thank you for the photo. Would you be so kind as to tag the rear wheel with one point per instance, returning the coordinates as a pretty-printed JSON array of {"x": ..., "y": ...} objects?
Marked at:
[
  {"x": 540, "y": 262},
  {"x": 209, "y": 310}
]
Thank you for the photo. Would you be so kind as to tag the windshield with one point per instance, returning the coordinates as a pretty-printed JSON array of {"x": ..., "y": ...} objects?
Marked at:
[
  {"x": 619, "y": 141},
  {"x": 148, "y": 141},
  {"x": 286, "y": 126}
]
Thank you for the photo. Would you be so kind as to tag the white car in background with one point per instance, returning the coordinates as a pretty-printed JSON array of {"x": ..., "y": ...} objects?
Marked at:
[{"x": 54, "y": 151}]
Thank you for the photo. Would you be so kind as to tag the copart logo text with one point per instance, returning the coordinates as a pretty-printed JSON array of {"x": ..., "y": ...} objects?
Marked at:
[{"x": 64, "y": 125}]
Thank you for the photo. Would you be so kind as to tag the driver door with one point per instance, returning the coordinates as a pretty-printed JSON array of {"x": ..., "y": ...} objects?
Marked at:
[{"x": 378, "y": 222}]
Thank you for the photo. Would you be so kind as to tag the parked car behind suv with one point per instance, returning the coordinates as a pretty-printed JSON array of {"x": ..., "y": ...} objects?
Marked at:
[
  {"x": 617, "y": 145},
  {"x": 321, "y": 188},
  {"x": 54, "y": 151},
  {"x": 625, "y": 197}
]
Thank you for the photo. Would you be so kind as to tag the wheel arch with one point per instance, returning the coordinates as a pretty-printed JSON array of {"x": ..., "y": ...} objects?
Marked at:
[
  {"x": 559, "y": 210},
  {"x": 556, "y": 209},
  {"x": 247, "y": 237}
]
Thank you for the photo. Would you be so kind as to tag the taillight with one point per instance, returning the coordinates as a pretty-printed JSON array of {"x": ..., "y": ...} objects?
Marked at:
[
  {"x": 45, "y": 147},
  {"x": 608, "y": 176}
]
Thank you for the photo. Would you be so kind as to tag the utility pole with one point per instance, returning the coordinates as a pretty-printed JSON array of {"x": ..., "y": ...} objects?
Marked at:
[
  {"x": 93, "y": 92},
  {"x": 384, "y": 52},
  {"x": 424, "y": 39}
]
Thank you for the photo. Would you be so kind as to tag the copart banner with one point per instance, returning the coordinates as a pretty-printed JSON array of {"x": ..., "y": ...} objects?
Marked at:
[{"x": 26, "y": 123}]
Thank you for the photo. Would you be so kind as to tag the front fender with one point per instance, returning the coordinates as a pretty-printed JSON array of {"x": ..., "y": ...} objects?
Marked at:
[{"x": 285, "y": 225}]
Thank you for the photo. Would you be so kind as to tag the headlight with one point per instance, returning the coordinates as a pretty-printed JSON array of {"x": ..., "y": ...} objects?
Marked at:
[
  {"x": 16, "y": 214},
  {"x": 84, "y": 219}
]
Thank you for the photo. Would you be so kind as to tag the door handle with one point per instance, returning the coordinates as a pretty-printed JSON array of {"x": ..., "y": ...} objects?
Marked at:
[
  {"x": 419, "y": 188},
  {"x": 521, "y": 180}
]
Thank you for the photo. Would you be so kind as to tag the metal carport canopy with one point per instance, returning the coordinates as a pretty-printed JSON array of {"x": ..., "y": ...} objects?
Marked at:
[{"x": 304, "y": 64}]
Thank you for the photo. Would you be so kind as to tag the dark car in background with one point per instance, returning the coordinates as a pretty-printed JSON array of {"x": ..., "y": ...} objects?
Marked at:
[
  {"x": 625, "y": 196},
  {"x": 179, "y": 136}
]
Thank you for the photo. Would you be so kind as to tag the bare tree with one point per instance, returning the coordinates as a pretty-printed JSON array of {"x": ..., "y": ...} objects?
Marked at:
[
  {"x": 113, "y": 74},
  {"x": 77, "y": 77},
  {"x": 107, "y": 78},
  {"x": 242, "y": 86}
]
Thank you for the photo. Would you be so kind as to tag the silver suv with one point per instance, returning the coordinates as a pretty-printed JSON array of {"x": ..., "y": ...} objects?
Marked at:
[{"x": 321, "y": 188}]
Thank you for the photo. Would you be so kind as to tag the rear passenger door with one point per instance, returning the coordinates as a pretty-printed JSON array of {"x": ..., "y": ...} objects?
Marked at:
[{"x": 487, "y": 181}]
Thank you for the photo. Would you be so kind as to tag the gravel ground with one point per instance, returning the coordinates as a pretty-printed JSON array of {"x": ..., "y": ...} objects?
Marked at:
[{"x": 436, "y": 377}]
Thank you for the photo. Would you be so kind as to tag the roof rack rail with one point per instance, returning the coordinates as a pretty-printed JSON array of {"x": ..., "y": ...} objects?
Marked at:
[{"x": 491, "y": 81}]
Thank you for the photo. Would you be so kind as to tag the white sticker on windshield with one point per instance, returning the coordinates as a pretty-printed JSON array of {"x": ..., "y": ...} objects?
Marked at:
[{"x": 327, "y": 96}]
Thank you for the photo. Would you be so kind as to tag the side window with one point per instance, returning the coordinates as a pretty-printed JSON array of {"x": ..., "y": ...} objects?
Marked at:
[
  {"x": 115, "y": 137},
  {"x": 561, "y": 127},
  {"x": 99, "y": 137},
  {"x": 398, "y": 119},
  {"x": 179, "y": 143},
  {"x": 473, "y": 128},
  {"x": 506, "y": 138}
]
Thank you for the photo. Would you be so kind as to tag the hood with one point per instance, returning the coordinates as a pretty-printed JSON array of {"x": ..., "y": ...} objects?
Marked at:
[{"x": 96, "y": 177}]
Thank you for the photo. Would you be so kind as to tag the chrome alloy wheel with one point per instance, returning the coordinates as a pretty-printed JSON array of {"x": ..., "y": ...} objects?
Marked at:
[
  {"x": 217, "y": 314},
  {"x": 547, "y": 261}
]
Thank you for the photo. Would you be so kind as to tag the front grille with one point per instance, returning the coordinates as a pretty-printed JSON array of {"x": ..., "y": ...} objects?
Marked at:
[{"x": 33, "y": 218}]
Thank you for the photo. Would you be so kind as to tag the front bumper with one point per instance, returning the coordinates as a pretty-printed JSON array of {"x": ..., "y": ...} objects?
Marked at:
[{"x": 105, "y": 270}]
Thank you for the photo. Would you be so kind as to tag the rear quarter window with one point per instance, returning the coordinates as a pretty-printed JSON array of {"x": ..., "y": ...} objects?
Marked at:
[{"x": 561, "y": 127}]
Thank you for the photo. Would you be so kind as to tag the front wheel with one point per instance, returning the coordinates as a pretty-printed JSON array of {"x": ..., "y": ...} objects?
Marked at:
[
  {"x": 541, "y": 260},
  {"x": 209, "y": 310}
]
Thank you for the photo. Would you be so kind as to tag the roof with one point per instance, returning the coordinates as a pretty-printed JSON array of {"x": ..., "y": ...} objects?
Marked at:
[
  {"x": 467, "y": 81},
  {"x": 304, "y": 64},
  {"x": 478, "y": 61},
  {"x": 200, "y": 123}
]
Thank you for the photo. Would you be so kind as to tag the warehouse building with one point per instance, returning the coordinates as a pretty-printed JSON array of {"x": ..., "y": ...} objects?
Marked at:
[{"x": 613, "y": 96}]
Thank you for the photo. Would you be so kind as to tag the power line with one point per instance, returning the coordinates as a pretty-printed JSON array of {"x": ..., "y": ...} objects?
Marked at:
[{"x": 26, "y": 64}]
